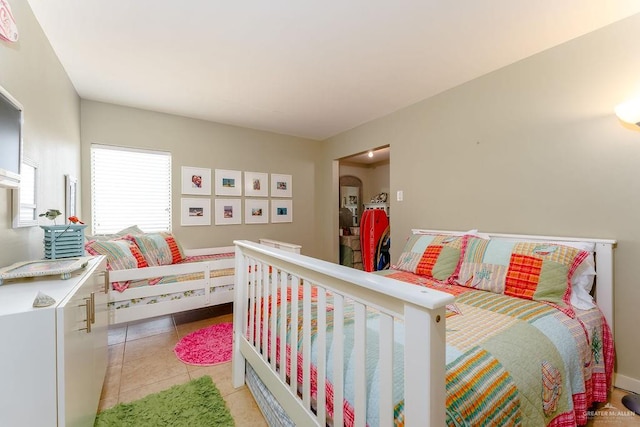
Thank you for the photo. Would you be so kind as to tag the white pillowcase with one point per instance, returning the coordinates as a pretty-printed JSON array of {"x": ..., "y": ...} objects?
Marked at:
[{"x": 583, "y": 277}]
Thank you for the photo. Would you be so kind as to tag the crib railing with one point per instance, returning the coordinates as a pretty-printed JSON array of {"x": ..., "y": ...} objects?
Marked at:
[{"x": 270, "y": 283}]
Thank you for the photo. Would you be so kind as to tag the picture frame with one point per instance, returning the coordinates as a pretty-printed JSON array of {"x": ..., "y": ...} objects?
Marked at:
[
  {"x": 228, "y": 182},
  {"x": 256, "y": 211},
  {"x": 228, "y": 211},
  {"x": 256, "y": 184},
  {"x": 195, "y": 211},
  {"x": 196, "y": 181},
  {"x": 281, "y": 211},
  {"x": 71, "y": 195},
  {"x": 281, "y": 185}
]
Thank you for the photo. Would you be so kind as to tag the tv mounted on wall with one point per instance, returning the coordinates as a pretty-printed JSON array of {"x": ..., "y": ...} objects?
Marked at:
[{"x": 10, "y": 140}]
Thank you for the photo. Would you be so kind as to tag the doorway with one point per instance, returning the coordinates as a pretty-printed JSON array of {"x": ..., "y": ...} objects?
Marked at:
[{"x": 363, "y": 183}]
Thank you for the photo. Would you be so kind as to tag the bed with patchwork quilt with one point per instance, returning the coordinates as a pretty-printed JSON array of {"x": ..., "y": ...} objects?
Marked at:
[{"x": 519, "y": 350}]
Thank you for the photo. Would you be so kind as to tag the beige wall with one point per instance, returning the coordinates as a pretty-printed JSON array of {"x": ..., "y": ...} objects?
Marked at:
[
  {"x": 204, "y": 144},
  {"x": 532, "y": 148},
  {"x": 31, "y": 72}
]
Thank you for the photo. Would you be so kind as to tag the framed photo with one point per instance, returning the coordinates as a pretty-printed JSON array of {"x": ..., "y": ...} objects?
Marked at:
[
  {"x": 228, "y": 211},
  {"x": 71, "y": 195},
  {"x": 256, "y": 211},
  {"x": 281, "y": 211},
  {"x": 228, "y": 183},
  {"x": 195, "y": 211},
  {"x": 256, "y": 184},
  {"x": 196, "y": 181},
  {"x": 280, "y": 185}
]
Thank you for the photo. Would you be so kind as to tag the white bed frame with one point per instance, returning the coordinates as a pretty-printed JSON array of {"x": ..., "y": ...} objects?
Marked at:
[
  {"x": 208, "y": 298},
  {"x": 422, "y": 309}
]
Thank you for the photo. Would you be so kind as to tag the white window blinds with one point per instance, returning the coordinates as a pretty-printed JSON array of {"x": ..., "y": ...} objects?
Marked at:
[{"x": 130, "y": 187}]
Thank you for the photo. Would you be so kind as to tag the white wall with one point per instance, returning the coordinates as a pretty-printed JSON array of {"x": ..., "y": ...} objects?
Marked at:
[{"x": 532, "y": 148}]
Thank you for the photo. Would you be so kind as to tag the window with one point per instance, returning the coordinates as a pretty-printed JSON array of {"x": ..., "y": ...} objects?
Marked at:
[
  {"x": 130, "y": 187},
  {"x": 24, "y": 198}
]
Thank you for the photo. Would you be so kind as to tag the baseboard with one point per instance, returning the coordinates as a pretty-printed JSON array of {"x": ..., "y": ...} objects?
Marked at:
[{"x": 626, "y": 383}]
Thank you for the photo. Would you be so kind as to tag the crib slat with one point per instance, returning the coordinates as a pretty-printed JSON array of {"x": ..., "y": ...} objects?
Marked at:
[
  {"x": 252, "y": 299},
  {"x": 360, "y": 342},
  {"x": 385, "y": 365},
  {"x": 322, "y": 357},
  {"x": 338, "y": 359},
  {"x": 293, "y": 382},
  {"x": 306, "y": 343},
  {"x": 272, "y": 328},
  {"x": 265, "y": 311},
  {"x": 283, "y": 328},
  {"x": 257, "y": 336}
]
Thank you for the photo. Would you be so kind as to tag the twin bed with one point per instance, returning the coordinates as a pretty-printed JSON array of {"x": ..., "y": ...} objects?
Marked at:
[
  {"x": 151, "y": 275},
  {"x": 465, "y": 329}
]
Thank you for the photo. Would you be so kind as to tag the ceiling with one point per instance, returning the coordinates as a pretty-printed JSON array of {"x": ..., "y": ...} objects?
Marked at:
[{"x": 305, "y": 68}]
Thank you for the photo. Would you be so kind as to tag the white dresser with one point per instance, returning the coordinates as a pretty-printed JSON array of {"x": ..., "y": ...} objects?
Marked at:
[{"x": 53, "y": 359}]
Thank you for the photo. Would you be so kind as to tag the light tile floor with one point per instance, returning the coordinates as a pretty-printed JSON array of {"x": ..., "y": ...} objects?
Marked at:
[{"x": 141, "y": 362}]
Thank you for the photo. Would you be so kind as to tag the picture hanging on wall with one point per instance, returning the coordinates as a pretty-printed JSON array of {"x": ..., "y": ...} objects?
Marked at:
[
  {"x": 228, "y": 211},
  {"x": 196, "y": 181},
  {"x": 256, "y": 211},
  {"x": 280, "y": 185},
  {"x": 195, "y": 211},
  {"x": 256, "y": 184},
  {"x": 281, "y": 211},
  {"x": 228, "y": 183}
]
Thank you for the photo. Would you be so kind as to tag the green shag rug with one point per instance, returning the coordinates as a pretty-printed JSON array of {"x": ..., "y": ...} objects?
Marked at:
[{"x": 196, "y": 403}]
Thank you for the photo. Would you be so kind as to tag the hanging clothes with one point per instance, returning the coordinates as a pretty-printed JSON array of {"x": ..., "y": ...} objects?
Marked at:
[{"x": 375, "y": 240}]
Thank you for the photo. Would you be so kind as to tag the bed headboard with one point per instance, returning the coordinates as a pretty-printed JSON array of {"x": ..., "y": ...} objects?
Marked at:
[{"x": 603, "y": 256}]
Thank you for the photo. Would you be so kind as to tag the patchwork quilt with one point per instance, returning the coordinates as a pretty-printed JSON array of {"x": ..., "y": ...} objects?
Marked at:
[{"x": 510, "y": 361}]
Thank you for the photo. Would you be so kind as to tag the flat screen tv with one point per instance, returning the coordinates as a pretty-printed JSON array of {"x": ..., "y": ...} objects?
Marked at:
[{"x": 10, "y": 140}]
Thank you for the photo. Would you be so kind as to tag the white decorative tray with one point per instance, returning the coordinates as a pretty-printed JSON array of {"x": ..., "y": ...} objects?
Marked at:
[{"x": 48, "y": 267}]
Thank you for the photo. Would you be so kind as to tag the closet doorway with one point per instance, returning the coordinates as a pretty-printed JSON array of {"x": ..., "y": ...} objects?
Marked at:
[{"x": 363, "y": 184}]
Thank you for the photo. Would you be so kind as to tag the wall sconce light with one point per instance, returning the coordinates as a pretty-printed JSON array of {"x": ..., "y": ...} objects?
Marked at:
[{"x": 629, "y": 112}]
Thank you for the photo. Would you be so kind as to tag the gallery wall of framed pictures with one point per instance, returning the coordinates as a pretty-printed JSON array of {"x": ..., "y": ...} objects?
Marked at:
[{"x": 262, "y": 197}]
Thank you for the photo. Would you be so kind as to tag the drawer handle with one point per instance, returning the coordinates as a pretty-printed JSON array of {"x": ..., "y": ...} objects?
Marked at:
[
  {"x": 93, "y": 307},
  {"x": 87, "y": 306},
  {"x": 105, "y": 274}
]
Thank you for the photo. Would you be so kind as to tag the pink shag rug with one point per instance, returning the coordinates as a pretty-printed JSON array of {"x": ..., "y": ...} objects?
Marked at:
[{"x": 207, "y": 346}]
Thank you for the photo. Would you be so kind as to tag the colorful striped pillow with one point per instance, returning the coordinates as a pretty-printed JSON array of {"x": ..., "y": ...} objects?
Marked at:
[
  {"x": 158, "y": 248},
  {"x": 177, "y": 253},
  {"x": 121, "y": 254},
  {"x": 436, "y": 256},
  {"x": 529, "y": 270}
]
